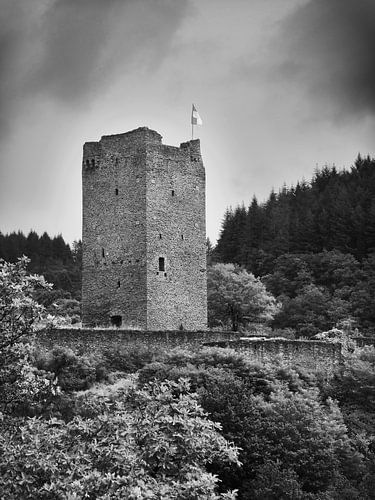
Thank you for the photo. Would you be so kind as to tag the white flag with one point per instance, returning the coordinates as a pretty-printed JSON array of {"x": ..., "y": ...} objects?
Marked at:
[{"x": 195, "y": 118}]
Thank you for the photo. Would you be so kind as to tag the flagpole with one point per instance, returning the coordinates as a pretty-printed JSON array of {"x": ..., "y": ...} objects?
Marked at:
[{"x": 192, "y": 122}]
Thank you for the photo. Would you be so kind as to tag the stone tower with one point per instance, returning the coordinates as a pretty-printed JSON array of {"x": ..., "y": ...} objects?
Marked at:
[{"x": 144, "y": 253}]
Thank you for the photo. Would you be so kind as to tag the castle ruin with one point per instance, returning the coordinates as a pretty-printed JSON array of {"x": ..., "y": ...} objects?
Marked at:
[{"x": 144, "y": 236}]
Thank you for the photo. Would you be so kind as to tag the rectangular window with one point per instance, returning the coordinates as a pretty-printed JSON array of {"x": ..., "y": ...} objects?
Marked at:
[{"x": 161, "y": 264}]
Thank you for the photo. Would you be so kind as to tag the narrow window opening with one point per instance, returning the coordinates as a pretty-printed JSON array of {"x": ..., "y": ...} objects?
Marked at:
[
  {"x": 161, "y": 264},
  {"x": 103, "y": 255},
  {"x": 165, "y": 274},
  {"x": 118, "y": 284},
  {"x": 172, "y": 192},
  {"x": 116, "y": 321},
  {"x": 182, "y": 236},
  {"x": 93, "y": 163},
  {"x": 116, "y": 191},
  {"x": 159, "y": 236}
]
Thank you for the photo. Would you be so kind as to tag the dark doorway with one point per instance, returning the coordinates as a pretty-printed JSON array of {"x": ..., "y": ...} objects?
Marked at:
[
  {"x": 116, "y": 321},
  {"x": 161, "y": 264}
]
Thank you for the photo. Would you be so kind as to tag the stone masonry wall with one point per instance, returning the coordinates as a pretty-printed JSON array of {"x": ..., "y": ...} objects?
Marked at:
[
  {"x": 95, "y": 340},
  {"x": 325, "y": 356},
  {"x": 176, "y": 232},
  {"x": 142, "y": 202},
  {"x": 320, "y": 355},
  {"x": 114, "y": 230}
]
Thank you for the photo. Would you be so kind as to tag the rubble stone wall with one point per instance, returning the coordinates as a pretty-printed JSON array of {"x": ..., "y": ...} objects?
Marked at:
[
  {"x": 95, "y": 340},
  {"x": 176, "y": 232},
  {"x": 325, "y": 356},
  {"x": 320, "y": 355}
]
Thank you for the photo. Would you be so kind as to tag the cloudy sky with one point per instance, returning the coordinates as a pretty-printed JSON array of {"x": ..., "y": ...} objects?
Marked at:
[{"x": 282, "y": 86}]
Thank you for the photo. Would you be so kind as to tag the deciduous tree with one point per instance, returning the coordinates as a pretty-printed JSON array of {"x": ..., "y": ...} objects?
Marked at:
[{"x": 236, "y": 297}]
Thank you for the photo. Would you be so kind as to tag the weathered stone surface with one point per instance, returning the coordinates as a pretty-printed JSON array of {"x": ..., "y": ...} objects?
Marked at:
[
  {"x": 324, "y": 356},
  {"x": 144, "y": 260},
  {"x": 313, "y": 354},
  {"x": 96, "y": 340}
]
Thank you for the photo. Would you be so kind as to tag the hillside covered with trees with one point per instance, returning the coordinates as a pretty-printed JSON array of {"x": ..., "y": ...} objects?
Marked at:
[
  {"x": 54, "y": 259},
  {"x": 313, "y": 246}
]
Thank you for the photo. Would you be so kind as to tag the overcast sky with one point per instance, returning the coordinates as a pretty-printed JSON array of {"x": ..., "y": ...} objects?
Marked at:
[{"x": 281, "y": 85}]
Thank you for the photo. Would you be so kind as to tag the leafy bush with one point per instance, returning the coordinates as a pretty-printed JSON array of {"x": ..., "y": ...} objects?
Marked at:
[
  {"x": 72, "y": 372},
  {"x": 354, "y": 388},
  {"x": 149, "y": 443},
  {"x": 129, "y": 359},
  {"x": 291, "y": 430},
  {"x": 259, "y": 377},
  {"x": 277, "y": 417},
  {"x": 69, "y": 308},
  {"x": 21, "y": 385}
]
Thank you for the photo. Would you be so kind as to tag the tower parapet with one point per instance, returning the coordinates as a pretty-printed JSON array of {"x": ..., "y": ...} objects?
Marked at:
[{"x": 194, "y": 148}]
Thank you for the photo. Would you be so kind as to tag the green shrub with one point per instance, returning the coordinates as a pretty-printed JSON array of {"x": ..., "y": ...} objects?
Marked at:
[
  {"x": 277, "y": 417},
  {"x": 72, "y": 372},
  {"x": 258, "y": 377},
  {"x": 21, "y": 386},
  {"x": 354, "y": 388},
  {"x": 129, "y": 359},
  {"x": 151, "y": 443}
]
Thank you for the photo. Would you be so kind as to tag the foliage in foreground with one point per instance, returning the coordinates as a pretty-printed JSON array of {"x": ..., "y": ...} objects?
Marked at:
[
  {"x": 294, "y": 442},
  {"x": 19, "y": 315},
  {"x": 153, "y": 442},
  {"x": 72, "y": 372},
  {"x": 157, "y": 442},
  {"x": 354, "y": 388}
]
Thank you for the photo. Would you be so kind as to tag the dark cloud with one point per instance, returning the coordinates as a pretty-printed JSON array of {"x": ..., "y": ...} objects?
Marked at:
[
  {"x": 68, "y": 50},
  {"x": 330, "y": 50}
]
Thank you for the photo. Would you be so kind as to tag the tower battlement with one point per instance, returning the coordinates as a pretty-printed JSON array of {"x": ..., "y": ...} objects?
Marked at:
[{"x": 144, "y": 261}]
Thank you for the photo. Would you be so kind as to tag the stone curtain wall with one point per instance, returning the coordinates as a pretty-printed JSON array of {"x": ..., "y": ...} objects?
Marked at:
[
  {"x": 325, "y": 356},
  {"x": 143, "y": 201},
  {"x": 95, "y": 340}
]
